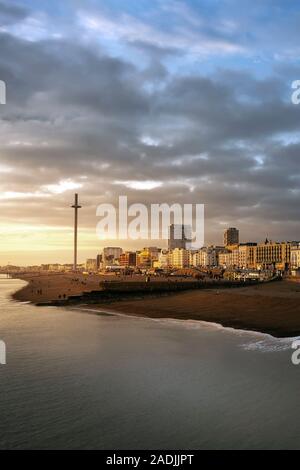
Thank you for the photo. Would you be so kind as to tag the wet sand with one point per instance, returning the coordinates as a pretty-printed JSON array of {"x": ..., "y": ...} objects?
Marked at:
[{"x": 272, "y": 308}]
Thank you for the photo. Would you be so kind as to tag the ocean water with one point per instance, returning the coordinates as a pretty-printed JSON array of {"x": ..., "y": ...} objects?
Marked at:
[{"x": 77, "y": 380}]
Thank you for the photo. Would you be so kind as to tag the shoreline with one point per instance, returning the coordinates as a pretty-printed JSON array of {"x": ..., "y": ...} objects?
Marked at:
[
  {"x": 271, "y": 308},
  {"x": 66, "y": 289},
  {"x": 188, "y": 322},
  {"x": 234, "y": 326}
]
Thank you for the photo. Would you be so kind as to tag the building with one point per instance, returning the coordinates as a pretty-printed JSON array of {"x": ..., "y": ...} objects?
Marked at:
[
  {"x": 60, "y": 267},
  {"x": 225, "y": 259},
  {"x": 91, "y": 265},
  {"x": 128, "y": 259},
  {"x": 111, "y": 255},
  {"x": 147, "y": 256},
  {"x": 241, "y": 256},
  {"x": 205, "y": 257},
  {"x": 295, "y": 256},
  {"x": 154, "y": 252},
  {"x": 247, "y": 255},
  {"x": 163, "y": 259},
  {"x": 194, "y": 258},
  {"x": 99, "y": 262},
  {"x": 179, "y": 258},
  {"x": 144, "y": 260},
  {"x": 231, "y": 237},
  {"x": 256, "y": 256},
  {"x": 273, "y": 255},
  {"x": 179, "y": 236}
]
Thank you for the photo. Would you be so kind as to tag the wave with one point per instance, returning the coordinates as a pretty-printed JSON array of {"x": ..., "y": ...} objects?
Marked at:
[
  {"x": 263, "y": 342},
  {"x": 270, "y": 344}
]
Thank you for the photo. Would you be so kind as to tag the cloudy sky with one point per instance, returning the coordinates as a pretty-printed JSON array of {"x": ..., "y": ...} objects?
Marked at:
[{"x": 162, "y": 101}]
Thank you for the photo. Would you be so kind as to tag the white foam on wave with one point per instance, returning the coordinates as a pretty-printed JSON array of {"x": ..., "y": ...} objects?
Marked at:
[
  {"x": 188, "y": 323},
  {"x": 263, "y": 342},
  {"x": 270, "y": 344}
]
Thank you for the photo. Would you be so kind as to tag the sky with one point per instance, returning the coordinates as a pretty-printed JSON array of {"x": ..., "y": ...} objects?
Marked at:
[{"x": 163, "y": 101}]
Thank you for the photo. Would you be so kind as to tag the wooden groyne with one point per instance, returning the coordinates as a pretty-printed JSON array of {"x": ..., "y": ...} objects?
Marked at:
[{"x": 121, "y": 290}]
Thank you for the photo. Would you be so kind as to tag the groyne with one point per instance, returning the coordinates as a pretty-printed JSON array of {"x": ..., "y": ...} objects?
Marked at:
[{"x": 119, "y": 290}]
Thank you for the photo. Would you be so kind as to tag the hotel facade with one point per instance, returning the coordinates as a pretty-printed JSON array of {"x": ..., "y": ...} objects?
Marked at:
[{"x": 269, "y": 255}]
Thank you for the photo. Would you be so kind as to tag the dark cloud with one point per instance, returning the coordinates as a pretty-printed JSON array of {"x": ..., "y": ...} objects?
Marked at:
[
  {"x": 10, "y": 14},
  {"x": 75, "y": 111}
]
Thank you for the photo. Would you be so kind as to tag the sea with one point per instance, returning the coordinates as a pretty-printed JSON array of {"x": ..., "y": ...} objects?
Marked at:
[{"x": 78, "y": 379}]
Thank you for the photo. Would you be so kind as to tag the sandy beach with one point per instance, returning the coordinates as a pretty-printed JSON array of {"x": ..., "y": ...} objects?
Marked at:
[
  {"x": 272, "y": 308},
  {"x": 43, "y": 288},
  {"x": 48, "y": 287}
]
